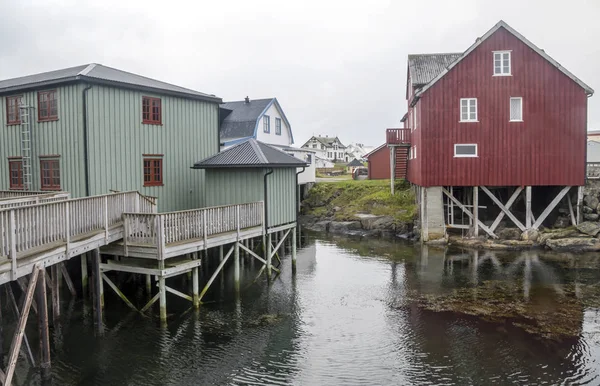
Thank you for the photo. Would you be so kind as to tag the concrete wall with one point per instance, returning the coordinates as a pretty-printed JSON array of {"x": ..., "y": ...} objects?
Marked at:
[{"x": 432, "y": 213}]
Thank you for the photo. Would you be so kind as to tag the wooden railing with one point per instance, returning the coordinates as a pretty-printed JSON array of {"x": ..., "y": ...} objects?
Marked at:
[
  {"x": 28, "y": 227},
  {"x": 158, "y": 230},
  {"x": 398, "y": 136},
  {"x": 25, "y": 200}
]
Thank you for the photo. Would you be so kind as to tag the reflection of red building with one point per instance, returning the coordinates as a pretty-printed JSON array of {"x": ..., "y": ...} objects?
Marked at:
[{"x": 379, "y": 163}]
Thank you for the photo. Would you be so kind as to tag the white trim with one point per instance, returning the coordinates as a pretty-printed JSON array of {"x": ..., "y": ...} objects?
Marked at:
[
  {"x": 510, "y": 101},
  {"x": 501, "y": 23},
  {"x": 466, "y": 155},
  {"x": 502, "y": 73},
  {"x": 468, "y": 100}
]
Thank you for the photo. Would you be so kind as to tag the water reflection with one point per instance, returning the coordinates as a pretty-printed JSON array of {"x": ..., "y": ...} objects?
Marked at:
[{"x": 360, "y": 312}]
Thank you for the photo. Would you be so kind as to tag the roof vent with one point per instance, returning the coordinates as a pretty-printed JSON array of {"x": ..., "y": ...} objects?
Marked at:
[{"x": 247, "y": 100}]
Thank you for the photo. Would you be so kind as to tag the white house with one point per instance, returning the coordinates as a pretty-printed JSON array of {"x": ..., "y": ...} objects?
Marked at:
[
  {"x": 358, "y": 150},
  {"x": 307, "y": 155},
  {"x": 261, "y": 119},
  {"x": 593, "y": 151},
  {"x": 331, "y": 148}
]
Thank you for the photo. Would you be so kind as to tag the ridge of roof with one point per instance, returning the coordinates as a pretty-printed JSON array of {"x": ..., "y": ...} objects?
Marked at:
[{"x": 478, "y": 41}]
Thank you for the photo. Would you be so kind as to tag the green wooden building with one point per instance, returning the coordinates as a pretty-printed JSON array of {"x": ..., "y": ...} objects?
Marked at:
[
  {"x": 92, "y": 129},
  {"x": 254, "y": 171}
]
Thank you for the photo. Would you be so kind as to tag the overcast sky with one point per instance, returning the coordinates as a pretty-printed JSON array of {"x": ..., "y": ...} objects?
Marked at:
[{"x": 336, "y": 67}]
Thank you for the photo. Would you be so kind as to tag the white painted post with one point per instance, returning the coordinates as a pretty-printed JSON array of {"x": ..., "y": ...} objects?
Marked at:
[
  {"x": 204, "y": 227},
  {"x": 195, "y": 283},
  {"x": 476, "y": 210},
  {"x": 528, "y": 211},
  {"x": 13, "y": 246},
  {"x": 106, "y": 219},
  {"x": 293, "y": 251},
  {"x": 579, "y": 203},
  {"x": 269, "y": 246},
  {"x": 236, "y": 267},
  {"x": 68, "y": 228},
  {"x": 162, "y": 298},
  {"x": 149, "y": 285},
  {"x": 392, "y": 170}
]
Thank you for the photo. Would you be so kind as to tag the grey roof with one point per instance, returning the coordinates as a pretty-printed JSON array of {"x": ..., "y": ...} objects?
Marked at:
[
  {"x": 423, "y": 68},
  {"x": 241, "y": 122},
  {"x": 327, "y": 141},
  {"x": 97, "y": 73},
  {"x": 248, "y": 154},
  {"x": 355, "y": 162}
]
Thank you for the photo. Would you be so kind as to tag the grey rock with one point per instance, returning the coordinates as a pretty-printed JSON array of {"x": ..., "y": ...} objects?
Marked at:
[
  {"x": 563, "y": 211},
  {"x": 591, "y": 200},
  {"x": 562, "y": 222},
  {"x": 574, "y": 244},
  {"x": 587, "y": 209},
  {"x": 560, "y": 234},
  {"x": 370, "y": 221},
  {"x": 320, "y": 226},
  {"x": 530, "y": 235},
  {"x": 509, "y": 234},
  {"x": 589, "y": 228},
  {"x": 336, "y": 208},
  {"x": 598, "y": 209},
  {"x": 344, "y": 226},
  {"x": 591, "y": 216}
]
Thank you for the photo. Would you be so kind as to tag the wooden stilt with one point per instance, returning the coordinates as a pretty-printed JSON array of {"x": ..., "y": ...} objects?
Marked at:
[
  {"x": 27, "y": 351},
  {"x": 579, "y": 204},
  {"x": 476, "y": 210},
  {"x": 269, "y": 256},
  {"x": 573, "y": 219},
  {"x": 503, "y": 210},
  {"x": 65, "y": 274},
  {"x": 551, "y": 206},
  {"x": 55, "y": 293},
  {"x": 20, "y": 330},
  {"x": 98, "y": 287},
  {"x": 43, "y": 328},
  {"x": 149, "y": 285},
  {"x": 195, "y": 284},
  {"x": 1, "y": 331},
  {"x": 22, "y": 283},
  {"x": 293, "y": 251},
  {"x": 162, "y": 291},
  {"x": 468, "y": 213},
  {"x": 214, "y": 275},
  {"x": 236, "y": 268},
  {"x": 84, "y": 274},
  {"x": 528, "y": 207}
]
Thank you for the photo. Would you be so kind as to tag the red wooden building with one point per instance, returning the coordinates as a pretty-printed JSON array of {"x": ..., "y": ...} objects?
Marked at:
[
  {"x": 500, "y": 118},
  {"x": 379, "y": 164}
]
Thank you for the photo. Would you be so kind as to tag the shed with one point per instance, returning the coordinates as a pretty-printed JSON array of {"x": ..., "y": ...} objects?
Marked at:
[
  {"x": 254, "y": 171},
  {"x": 379, "y": 163}
]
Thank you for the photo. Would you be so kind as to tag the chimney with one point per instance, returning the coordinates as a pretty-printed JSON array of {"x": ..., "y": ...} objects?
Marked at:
[{"x": 247, "y": 100}]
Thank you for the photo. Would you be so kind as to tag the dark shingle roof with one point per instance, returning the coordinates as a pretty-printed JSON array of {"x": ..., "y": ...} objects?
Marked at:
[
  {"x": 424, "y": 67},
  {"x": 354, "y": 163},
  {"x": 241, "y": 122},
  {"x": 248, "y": 154},
  {"x": 97, "y": 73},
  {"x": 327, "y": 141}
]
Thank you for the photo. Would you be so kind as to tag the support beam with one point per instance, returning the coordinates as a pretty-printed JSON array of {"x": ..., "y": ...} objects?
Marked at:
[
  {"x": 476, "y": 210},
  {"x": 579, "y": 204},
  {"x": 269, "y": 256},
  {"x": 27, "y": 352},
  {"x": 150, "y": 303},
  {"x": 280, "y": 243},
  {"x": 236, "y": 267},
  {"x": 503, "y": 209},
  {"x": 294, "y": 251},
  {"x": 214, "y": 275},
  {"x": 550, "y": 207},
  {"x": 42, "y": 302},
  {"x": 84, "y": 275},
  {"x": 148, "y": 285},
  {"x": 195, "y": 283},
  {"x": 98, "y": 287},
  {"x": 528, "y": 211},
  {"x": 468, "y": 213},
  {"x": 511, "y": 201},
  {"x": 573, "y": 219},
  {"x": 20, "y": 330},
  {"x": 118, "y": 291},
  {"x": 65, "y": 274},
  {"x": 162, "y": 291},
  {"x": 178, "y": 293}
]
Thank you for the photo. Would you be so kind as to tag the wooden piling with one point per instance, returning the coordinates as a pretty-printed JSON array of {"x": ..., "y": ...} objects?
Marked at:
[
  {"x": 84, "y": 275},
  {"x": 269, "y": 246},
  {"x": 195, "y": 283},
  {"x": 293, "y": 245},
  {"x": 149, "y": 285},
  {"x": 42, "y": 302},
  {"x": 236, "y": 267},
  {"x": 55, "y": 292},
  {"x": 1, "y": 331},
  {"x": 162, "y": 294},
  {"x": 98, "y": 287}
]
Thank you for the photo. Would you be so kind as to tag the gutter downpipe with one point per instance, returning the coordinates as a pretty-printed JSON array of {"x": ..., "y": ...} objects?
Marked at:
[
  {"x": 298, "y": 194},
  {"x": 266, "y": 198},
  {"x": 86, "y": 161}
]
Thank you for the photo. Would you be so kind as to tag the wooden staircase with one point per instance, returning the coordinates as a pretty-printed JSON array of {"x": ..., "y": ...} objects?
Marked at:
[{"x": 401, "y": 162}]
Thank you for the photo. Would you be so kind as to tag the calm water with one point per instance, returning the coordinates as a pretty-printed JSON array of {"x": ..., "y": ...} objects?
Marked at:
[{"x": 345, "y": 319}]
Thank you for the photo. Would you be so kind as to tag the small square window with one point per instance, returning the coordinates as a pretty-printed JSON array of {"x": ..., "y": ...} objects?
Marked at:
[
  {"x": 13, "y": 115},
  {"x": 277, "y": 126},
  {"x": 151, "y": 111},
  {"x": 153, "y": 172},
  {"x": 465, "y": 150},
  {"x": 516, "y": 109},
  {"x": 267, "y": 124},
  {"x": 50, "y": 173},
  {"x": 502, "y": 63},
  {"x": 47, "y": 106},
  {"x": 468, "y": 110}
]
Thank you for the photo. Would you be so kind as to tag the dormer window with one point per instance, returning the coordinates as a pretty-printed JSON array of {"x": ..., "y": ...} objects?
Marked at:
[{"x": 502, "y": 63}]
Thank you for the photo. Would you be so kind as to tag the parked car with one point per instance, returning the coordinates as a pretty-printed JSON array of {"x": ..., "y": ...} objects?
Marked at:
[{"x": 360, "y": 173}]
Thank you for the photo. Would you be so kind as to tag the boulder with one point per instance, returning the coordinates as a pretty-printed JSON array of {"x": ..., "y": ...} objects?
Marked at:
[
  {"x": 560, "y": 234},
  {"x": 589, "y": 228},
  {"x": 320, "y": 226},
  {"x": 587, "y": 209},
  {"x": 591, "y": 216},
  {"x": 591, "y": 201},
  {"x": 509, "y": 234},
  {"x": 598, "y": 209},
  {"x": 583, "y": 244},
  {"x": 371, "y": 221},
  {"x": 344, "y": 226},
  {"x": 530, "y": 235},
  {"x": 562, "y": 222}
]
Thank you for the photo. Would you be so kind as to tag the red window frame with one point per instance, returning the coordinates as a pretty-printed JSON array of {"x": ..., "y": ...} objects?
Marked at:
[
  {"x": 50, "y": 174},
  {"x": 13, "y": 114},
  {"x": 153, "y": 172},
  {"x": 151, "y": 111},
  {"x": 15, "y": 173},
  {"x": 47, "y": 106}
]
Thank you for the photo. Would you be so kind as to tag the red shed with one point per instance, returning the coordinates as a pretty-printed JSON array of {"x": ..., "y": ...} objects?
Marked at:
[
  {"x": 379, "y": 163},
  {"x": 503, "y": 114}
]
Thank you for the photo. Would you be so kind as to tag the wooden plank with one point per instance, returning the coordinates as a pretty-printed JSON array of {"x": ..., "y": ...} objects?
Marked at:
[
  {"x": 512, "y": 199},
  {"x": 503, "y": 209},
  {"x": 551, "y": 206},
  {"x": 150, "y": 303},
  {"x": 579, "y": 204},
  {"x": 55, "y": 292},
  {"x": 573, "y": 220},
  {"x": 20, "y": 330},
  {"x": 468, "y": 213}
]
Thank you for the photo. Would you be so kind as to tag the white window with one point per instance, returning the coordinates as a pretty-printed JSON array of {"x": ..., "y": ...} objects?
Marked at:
[
  {"x": 501, "y": 63},
  {"x": 468, "y": 110},
  {"x": 267, "y": 124},
  {"x": 415, "y": 152},
  {"x": 465, "y": 150},
  {"x": 516, "y": 109}
]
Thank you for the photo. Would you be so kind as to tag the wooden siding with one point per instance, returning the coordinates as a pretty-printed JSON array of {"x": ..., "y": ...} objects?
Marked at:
[
  {"x": 239, "y": 186},
  {"x": 59, "y": 137},
  {"x": 118, "y": 141},
  {"x": 379, "y": 164},
  {"x": 548, "y": 148}
]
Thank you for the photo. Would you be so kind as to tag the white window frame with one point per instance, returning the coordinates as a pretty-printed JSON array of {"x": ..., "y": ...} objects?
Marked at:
[
  {"x": 414, "y": 152},
  {"x": 266, "y": 124},
  {"x": 509, "y": 117},
  {"x": 468, "y": 100},
  {"x": 502, "y": 73},
  {"x": 466, "y": 155}
]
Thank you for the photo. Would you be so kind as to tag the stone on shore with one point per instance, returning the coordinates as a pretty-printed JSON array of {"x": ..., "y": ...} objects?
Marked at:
[
  {"x": 589, "y": 228},
  {"x": 341, "y": 227},
  {"x": 583, "y": 244},
  {"x": 374, "y": 222}
]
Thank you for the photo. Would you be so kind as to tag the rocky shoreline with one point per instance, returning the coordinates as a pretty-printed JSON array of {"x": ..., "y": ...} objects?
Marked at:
[{"x": 365, "y": 225}]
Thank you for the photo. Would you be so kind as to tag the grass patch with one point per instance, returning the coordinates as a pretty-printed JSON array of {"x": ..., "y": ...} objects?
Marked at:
[{"x": 360, "y": 196}]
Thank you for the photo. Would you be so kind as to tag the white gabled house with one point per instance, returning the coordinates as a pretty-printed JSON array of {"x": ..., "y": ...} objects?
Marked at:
[{"x": 330, "y": 148}]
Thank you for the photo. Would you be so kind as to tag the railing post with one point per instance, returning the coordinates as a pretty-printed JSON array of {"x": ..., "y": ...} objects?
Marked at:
[
  {"x": 204, "y": 227},
  {"x": 106, "y": 219},
  {"x": 137, "y": 202},
  {"x": 161, "y": 237},
  {"x": 67, "y": 228},
  {"x": 13, "y": 246},
  {"x": 125, "y": 234},
  {"x": 237, "y": 223}
]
